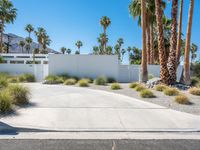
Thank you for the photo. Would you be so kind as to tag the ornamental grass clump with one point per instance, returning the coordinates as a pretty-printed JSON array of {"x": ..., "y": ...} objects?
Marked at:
[
  {"x": 182, "y": 99},
  {"x": 83, "y": 83},
  {"x": 5, "y": 101},
  {"x": 115, "y": 86},
  {"x": 160, "y": 87},
  {"x": 194, "y": 91},
  {"x": 51, "y": 79},
  {"x": 20, "y": 94},
  {"x": 171, "y": 91},
  {"x": 140, "y": 87},
  {"x": 70, "y": 81},
  {"x": 133, "y": 85},
  {"x": 26, "y": 78},
  {"x": 147, "y": 94},
  {"x": 3, "y": 82},
  {"x": 100, "y": 81}
]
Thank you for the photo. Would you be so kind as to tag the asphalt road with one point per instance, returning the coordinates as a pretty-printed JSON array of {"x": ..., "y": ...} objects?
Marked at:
[{"x": 99, "y": 144}]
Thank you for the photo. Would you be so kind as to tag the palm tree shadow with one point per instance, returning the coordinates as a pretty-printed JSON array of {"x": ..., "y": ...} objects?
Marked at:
[{"x": 6, "y": 129}]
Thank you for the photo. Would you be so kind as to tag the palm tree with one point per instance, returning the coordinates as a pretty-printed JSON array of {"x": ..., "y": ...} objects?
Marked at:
[
  {"x": 144, "y": 72},
  {"x": 109, "y": 50},
  {"x": 186, "y": 73},
  {"x": 105, "y": 22},
  {"x": 173, "y": 43},
  {"x": 123, "y": 51},
  {"x": 120, "y": 41},
  {"x": 63, "y": 50},
  {"x": 79, "y": 44},
  {"x": 193, "y": 50},
  {"x": 22, "y": 44},
  {"x": 40, "y": 33},
  {"x": 164, "y": 74},
  {"x": 69, "y": 51},
  {"x": 102, "y": 40},
  {"x": 117, "y": 51},
  {"x": 29, "y": 28},
  {"x": 7, "y": 15},
  {"x": 178, "y": 48},
  {"x": 28, "y": 42},
  {"x": 46, "y": 41}
]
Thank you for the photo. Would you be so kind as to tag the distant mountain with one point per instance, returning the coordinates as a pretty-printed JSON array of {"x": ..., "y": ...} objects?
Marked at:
[{"x": 13, "y": 41}]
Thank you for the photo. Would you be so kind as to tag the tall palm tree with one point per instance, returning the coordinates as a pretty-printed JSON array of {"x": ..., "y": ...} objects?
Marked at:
[
  {"x": 29, "y": 28},
  {"x": 102, "y": 40},
  {"x": 95, "y": 50},
  {"x": 164, "y": 74},
  {"x": 173, "y": 43},
  {"x": 63, "y": 50},
  {"x": 120, "y": 41},
  {"x": 7, "y": 15},
  {"x": 46, "y": 41},
  {"x": 178, "y": 47},
  {"x": 68, "y": 51},
  {"x": 40, "y": 33},
  {"x": 109, "y": 50},
  {"x": 79, "y": 44},
  {"x": 186, "y": 73},
  {"x": 22, "y": 44},
  {"x": 144, "y": 72},
  {"x": 123, "y": 51},
  {"x": 105, "y": 22},
  {"x": 28, "y": 42}
]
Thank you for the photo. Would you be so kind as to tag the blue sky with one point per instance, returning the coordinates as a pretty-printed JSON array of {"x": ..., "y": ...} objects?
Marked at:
[{"x": 67, "y": 21}]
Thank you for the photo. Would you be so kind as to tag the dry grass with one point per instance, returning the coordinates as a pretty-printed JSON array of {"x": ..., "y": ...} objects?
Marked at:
[
  {"x": 115, "y": 86},
  {"x": 171, "y": 91},
  {"x": 147, "y": 94},
  {"x": 194, "y": 91},
  {"x": 140, "y": 88},
  {"x": 83, "y": 83},
  {"x": 182, "y": 99},
  {"x": 133, "y": 85},
  {"x": 70, "y": 81},
  {"x": 160, "y": 87}
]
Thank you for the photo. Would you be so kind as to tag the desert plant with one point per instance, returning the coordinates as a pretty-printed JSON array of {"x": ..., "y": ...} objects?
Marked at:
[
  {"x": 5, "y": 101},
  {"x": 3, "y": 82},
  {"x": 70, "y": 81},
  {"x": 195, "y": 81},
  {"x": 13, "y": 79},
  {"x": 160, "y": 87},
  {"x": 20, "y": 94},
  {"x": 100, "y": 80},
  {"x": 194, "y": 91},
  {"x": 133, "y": 85},
  {"x": 182, "y": 99},
  {"x": 147, "y": 94},
  {"x": 83, "y": 83},
  {"x": 111, "y": 80},
  {"x": 171, "y": 91},
  {"x": 140, "y": 88},
  {"x": 51, "y": 79},
  {"x": 63, "y": 77},
  {"x": 115, "y": 86},
  {"x": 26, "y": 78}
]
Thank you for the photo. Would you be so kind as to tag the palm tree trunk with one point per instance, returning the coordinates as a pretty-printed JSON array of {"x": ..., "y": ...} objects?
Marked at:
[
  {"x": 151, "y": 45},
  {"x": 173, "y": 43},
  {"x": 1, "y": 38},
  {"x": 178, "y": 48},
  {"x": 164, "y": 74},
  {"x": 104, "y": 31},
  {"x": 148, "y": 43},
  {"x": 186, "y": 74},
  {"x": 144, "y": 72}
]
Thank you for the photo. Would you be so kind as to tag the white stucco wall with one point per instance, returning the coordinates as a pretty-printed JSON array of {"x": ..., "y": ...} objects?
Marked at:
[{"x": 84, "y": 65}]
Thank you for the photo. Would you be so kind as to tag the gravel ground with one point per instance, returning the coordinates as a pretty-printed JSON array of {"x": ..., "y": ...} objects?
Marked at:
[{"x": 161, "y": 99}]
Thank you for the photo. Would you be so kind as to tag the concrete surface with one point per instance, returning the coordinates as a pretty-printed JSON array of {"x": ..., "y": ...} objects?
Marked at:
[
  {"x": 99, "y": 144},
  {"x": 65, "y": 108}
]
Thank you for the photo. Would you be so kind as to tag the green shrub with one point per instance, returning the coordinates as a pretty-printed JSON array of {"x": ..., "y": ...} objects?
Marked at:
[
  {"x": 70, "y": 81},
  {"x": 88, "y": 80},
  {"x": 63, "y": 77},
  {"x": 83, "y": 83},
  {"x": 182, "y": 99},
  {"x": 111, "y": 80},
  {"x": 51, "y": 79},
  {"x": 26, "y": 78},
  {"x": 150, "y": 76},
  {"x": 171, "y": 91},
  {"x": 194, "y": 91},
  {"x": 3, "y": 82},
  {"x": 147, "y": 94},
  {"x": 20, "y": 94},
  {"x": 13, "y": 80},
  {"x": 133, "y": 85},
  {"x": 160, "y": 87},
  {"x": 5, "y": 101},
  {"x": 140, "y": 87},
  {"x": 195, "y": 81},
  {"x": 115, "y": 86},
  {"x": 100, "y": 81}
]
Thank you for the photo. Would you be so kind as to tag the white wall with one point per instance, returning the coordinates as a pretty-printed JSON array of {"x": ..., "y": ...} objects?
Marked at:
[{"x": 84, "y": 65}]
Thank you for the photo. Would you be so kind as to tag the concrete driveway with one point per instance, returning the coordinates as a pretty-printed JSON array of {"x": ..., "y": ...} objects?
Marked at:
[{"x": 66, "y": 108}]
